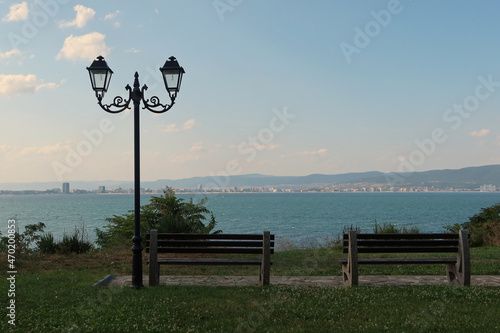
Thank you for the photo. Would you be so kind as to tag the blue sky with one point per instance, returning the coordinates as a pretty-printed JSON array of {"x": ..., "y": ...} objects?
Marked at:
[{"x": 274, "y": 87}]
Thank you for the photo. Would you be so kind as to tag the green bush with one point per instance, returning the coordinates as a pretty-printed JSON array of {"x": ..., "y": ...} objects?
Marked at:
[
  {"x": 166, "y": 213},
  {"x": 33, "y": 240},
  {"x": 75, "y": 243},
  {"x": 388, "y": 228},
  {"x": 47, "y": 244},
  {"x": 24, "y": 242},
  {"x": 484, "y": 227}
]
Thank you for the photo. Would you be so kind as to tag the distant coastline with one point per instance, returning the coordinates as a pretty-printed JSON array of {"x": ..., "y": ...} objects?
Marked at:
[
  {"x": 226, "y": 191},
  {"x": 471, "y": 179}
]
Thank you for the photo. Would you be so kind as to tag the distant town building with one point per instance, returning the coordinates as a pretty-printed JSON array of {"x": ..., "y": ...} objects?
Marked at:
[
  {"x": 65, "y": 188},
  {"x": 101, "y": 189},
  {"x": 488, "y": 188}
]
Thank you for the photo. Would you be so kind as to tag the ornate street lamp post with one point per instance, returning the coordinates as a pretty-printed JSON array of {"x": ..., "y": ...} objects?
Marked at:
[{"x": 100, "y": 76}]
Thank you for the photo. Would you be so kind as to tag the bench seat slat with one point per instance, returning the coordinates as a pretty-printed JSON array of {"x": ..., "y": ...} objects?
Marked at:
[
  {"x": 418, "y": 242},
  {"x": 209, "y": 243},
  {"x": 403, "y": 261},
  {"x": 424, "y": 249},
  {"x": 405, "y": 236},
  {"x": 211, "y": 250},
  {"x": 165, "y": 261}
]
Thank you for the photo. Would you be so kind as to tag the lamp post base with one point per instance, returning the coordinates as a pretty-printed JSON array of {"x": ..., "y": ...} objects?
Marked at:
[{"x": 137, "y": 263}]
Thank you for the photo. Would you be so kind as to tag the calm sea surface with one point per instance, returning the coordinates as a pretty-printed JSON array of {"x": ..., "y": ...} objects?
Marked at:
[{"x": 300, "y": 217}]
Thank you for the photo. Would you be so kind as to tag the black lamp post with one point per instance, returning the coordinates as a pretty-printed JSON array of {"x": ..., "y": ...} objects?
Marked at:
[{"x": 100, "y": 76}]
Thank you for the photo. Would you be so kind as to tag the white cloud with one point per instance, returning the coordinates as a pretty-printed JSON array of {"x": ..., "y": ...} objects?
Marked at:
[
  {"x": 188, "y": 124},
  {"x": 132, "y": 50},
  {"x": 173, "y": 127},
  {"x": 198, "y": 146},
  {"x": 198, "y": 151},
  {"x": 50, "y": 85},
  {"x": 272, "y": 146},
  {"x": 83, "y": 15},
  {"x": 320, "y": 152},
  {"x": 112, "y": 15},
  {"x": 255, "y": 146},
  {"x": 7, "y": 148},
  {"x": 16, "y": 55},
  {"x": 18, "y": 12},
  {"x": 8, "y": 54},
  {"x": 13, "y": 153},
  {"x": 45, "y": 150},
  {"x": 481, "y": 133},
  {"x": 85, "y": 47},
  {"x": 184, "y": 158},
  {"x": 11, "y": 85}
]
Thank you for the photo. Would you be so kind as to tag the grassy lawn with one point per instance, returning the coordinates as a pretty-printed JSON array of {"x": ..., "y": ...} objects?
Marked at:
[{"x": 55, "y": 294}]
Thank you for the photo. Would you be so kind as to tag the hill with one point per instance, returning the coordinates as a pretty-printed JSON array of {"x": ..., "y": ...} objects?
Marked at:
[{"x": 471, "y": 177}]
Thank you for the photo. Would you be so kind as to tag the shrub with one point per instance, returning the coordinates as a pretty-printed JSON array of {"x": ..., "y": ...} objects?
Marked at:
[
  {"x": 77, "y": 242},
  {"x": 453, "y": 228},
  {"x": 47, "y": 244},
  {"x": 24, "y": 242},
  {"x": 388, "y": 228},
  {"x": 33, "y": 240},
  {"x": 491, "y": 233},
  {"x": 166, "y": 213},
  {"x": 334, "y": 242},
  {"x": 484, "y": 227}
]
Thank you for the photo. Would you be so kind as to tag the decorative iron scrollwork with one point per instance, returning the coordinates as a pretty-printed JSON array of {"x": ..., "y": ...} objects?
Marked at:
[
  {"x": 118, "y": 102},
  {"x": 153, "y": 104}
]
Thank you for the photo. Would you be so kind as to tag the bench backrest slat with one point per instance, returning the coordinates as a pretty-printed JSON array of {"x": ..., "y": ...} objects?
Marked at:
[
  {"x": 404, "y": 243},
  {"x": 209, "y": 236},
  {"x": 210, "y": 243},
  {"x": 405, "y": 236},
  {"x": 418, "y": 242}
]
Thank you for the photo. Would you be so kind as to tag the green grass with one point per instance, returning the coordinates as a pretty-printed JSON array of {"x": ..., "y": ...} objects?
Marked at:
[{"x": 55, "y": 294}]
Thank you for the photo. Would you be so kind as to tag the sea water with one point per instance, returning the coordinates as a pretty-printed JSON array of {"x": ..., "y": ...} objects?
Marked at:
[{"x": 299, "y": 217}]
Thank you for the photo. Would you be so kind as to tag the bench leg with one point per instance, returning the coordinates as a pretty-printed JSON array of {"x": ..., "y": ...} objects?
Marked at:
[
  {"x": 459, "y": 273},
  {"x": 451, "y": 273},
  {"x": 265, "y": 267},
  {"x": 154, "y": 274},
  {"x": 154, "y": 268},
  {"x": 350, "y": 270},
  {"x": 349, "y": 275},
  {"x": 264, "y": 276},
  {"x": 345, "y": 275}
]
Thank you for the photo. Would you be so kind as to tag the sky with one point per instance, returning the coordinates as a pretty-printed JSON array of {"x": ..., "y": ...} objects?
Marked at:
[{"x": 277, "y": 87}]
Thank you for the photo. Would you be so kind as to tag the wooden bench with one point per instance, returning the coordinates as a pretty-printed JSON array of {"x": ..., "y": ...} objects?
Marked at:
[
  {"x": 457, "y": 268},
  {"x": 259, "y": 244}
]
